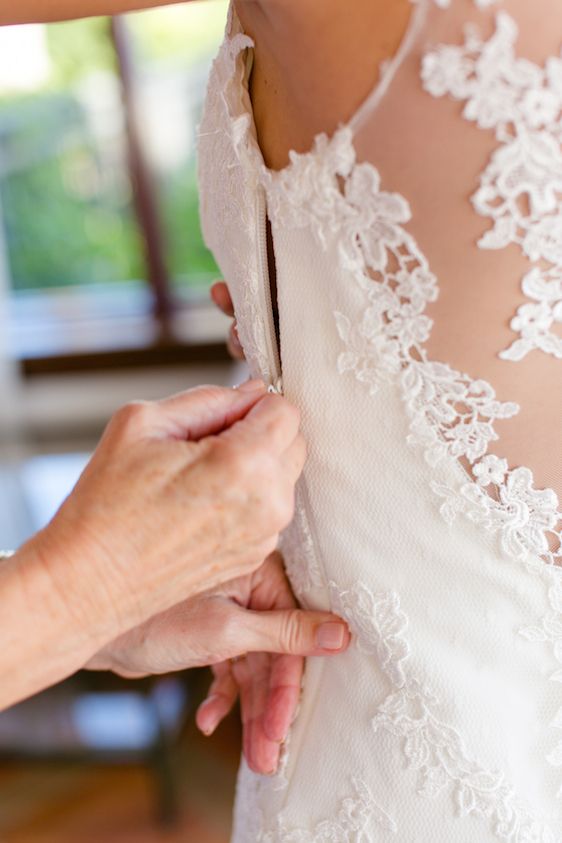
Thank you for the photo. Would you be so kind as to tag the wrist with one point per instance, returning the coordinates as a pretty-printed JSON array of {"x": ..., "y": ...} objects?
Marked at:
[
  {"x": 59, "y": 569},
  {"x": 43, "y": 641}
]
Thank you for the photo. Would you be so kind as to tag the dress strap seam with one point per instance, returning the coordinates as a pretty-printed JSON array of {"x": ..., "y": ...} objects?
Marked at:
[{"x": 390, "y": 68}]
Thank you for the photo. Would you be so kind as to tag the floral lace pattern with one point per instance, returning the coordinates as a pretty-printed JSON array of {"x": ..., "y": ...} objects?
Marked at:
[
  {"x": 410, "y": 712},
  {"x": 521, "y": 188},
  {"x": 451, "y": 414},
  {"x": 373, "y": 246},
  {"x": 354, "y": 820}
]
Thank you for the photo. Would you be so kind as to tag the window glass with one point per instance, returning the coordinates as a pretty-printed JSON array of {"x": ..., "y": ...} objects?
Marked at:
[{"x": 65, "y": 192}]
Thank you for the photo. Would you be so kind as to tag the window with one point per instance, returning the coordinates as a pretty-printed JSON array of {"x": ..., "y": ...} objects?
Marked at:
[{"x": 103, "y": 257}]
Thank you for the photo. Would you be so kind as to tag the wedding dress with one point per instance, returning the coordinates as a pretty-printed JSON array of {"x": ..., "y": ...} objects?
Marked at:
[{"x": 418, "y": 253}]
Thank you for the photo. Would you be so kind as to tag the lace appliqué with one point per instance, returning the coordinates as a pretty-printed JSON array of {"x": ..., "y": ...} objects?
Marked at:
[
  {"x": 522, "y": 515},
  {"x": 521, "y": 188},
  {"x": 372, "y": 244},
  {"x": 410, "y": 712},
  {"x": 451, "y": 415},
  {"x": 355, "y": 818}
]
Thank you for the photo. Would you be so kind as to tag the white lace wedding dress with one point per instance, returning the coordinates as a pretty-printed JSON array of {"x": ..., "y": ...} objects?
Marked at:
[{"x": 419, "y": 269}]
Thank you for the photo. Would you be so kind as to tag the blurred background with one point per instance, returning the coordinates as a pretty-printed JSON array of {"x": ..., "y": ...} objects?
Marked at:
[{"x": 103, "y": 298}]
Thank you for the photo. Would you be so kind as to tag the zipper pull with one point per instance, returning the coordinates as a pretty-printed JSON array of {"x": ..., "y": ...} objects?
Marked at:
[{"x": 276, "y": 388}]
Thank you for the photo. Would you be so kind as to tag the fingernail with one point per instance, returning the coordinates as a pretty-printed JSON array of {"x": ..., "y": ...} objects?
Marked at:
[
  {"x": 210, "y": 725},
  {"x": 330, "y": 636},
  {"x": 255, "y": 385}
]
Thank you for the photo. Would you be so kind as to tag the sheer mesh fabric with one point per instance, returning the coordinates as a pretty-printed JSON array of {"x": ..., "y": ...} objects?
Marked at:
[{"x": 426, "y": 150}]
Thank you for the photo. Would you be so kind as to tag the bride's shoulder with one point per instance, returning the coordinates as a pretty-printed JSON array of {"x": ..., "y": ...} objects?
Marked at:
[{"x": 314, "y": 64}]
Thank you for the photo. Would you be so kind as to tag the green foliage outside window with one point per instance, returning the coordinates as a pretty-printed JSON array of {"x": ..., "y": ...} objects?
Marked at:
[{"x": 65, "y": 194}]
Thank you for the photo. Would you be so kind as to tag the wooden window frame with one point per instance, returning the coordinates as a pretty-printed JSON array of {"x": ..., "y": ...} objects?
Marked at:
[{"x": 170, "y": 345}]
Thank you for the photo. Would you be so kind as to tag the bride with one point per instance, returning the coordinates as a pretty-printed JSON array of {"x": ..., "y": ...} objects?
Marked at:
[{"x": 381, "y": 185}]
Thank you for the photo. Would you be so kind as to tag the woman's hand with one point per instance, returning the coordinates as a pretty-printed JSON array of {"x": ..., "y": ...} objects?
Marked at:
[
  {"x": 180, "y": 496},
  {"x": 269, "y": 685},
  {"x": 253, "y": 616},
  {"x": 222, "y": 299}
]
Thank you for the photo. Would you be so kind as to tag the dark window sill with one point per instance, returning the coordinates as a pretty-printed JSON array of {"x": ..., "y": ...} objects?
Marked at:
[{"x": 96, "y": 330}]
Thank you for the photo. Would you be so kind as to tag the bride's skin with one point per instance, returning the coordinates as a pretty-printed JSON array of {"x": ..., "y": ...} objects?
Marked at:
[{"x": 295, "y": 92}]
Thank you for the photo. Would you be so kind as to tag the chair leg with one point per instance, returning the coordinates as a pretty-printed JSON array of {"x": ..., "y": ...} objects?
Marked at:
[{"x": 162, "y": 765}]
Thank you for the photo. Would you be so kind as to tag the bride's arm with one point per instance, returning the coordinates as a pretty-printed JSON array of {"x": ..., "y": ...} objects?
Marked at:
[{"x": 45, "y": 11}]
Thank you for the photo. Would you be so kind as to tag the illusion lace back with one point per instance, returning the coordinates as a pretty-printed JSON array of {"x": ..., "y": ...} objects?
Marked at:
[{"x": 418, "y": 255}]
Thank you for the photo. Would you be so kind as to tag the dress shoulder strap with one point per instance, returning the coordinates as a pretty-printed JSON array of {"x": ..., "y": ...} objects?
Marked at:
[{"x": 389, "y": 68}]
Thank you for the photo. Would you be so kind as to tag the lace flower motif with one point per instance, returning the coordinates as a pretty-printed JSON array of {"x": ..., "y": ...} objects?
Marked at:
[
  {"x": 450, "y": 413},
  {"x": 522, "y": 516},
  {"x": 431, "y": 746},
  {"x": 521, "y": 188},
  {"x": 326, "y": 190},
  {"x": 533, "y": 321},
  {"x": 490, "y": 469},
  {"x": 354, "y": 821}
]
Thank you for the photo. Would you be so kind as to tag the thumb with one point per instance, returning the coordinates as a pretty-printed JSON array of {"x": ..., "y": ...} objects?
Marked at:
[
  {"x": 295, "y": 631},
  {"x": 207, "y": 410}
]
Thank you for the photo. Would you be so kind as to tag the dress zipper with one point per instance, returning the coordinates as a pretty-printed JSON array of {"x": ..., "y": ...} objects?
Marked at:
[
  {"x": 273, "y": 352},
  {"x": 274, "y": 360}
]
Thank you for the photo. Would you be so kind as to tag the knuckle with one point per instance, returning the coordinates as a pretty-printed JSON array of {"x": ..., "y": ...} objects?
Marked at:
[
  {"x": 282, "y": 508},
  {"x": 209, "y": 393},
  {"x": 267, "y": 547},
  {"x": 230, "y": 627},
  {"x": 289, "y": 413},
  {"x": 283, "y": 407},
  {"x": 295, "y": 412},
  {"x": 293, "y": 635},
  {"x": 232, "y": 458},
  {"x": 299, "y": 452},
  {"x": 131, "y": 415}
]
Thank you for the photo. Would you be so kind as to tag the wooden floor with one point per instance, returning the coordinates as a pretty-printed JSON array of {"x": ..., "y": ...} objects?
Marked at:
[{"x": 82, "y": 804}]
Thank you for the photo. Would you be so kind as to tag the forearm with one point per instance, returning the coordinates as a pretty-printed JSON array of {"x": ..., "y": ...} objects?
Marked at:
[
  {"x": 44, "y": 636},
  {"x": 45, "y": 11}
]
